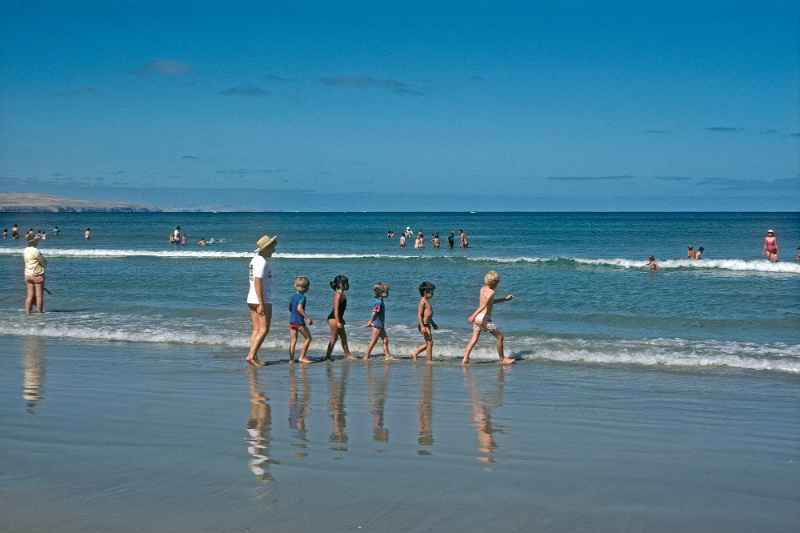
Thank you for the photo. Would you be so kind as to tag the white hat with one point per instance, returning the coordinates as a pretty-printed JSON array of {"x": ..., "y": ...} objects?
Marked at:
[{"x": 264, "y": 242}]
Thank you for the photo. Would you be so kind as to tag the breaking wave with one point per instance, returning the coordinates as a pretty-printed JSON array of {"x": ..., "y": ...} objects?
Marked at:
[{"x": 739, "y": 265}]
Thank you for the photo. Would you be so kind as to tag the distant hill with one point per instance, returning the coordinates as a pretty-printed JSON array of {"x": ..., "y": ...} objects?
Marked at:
[{"x": 43, "y": 203}]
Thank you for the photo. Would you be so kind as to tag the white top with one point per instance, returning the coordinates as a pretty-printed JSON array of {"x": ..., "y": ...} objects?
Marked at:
[
  {"x": 259, "y": 268},
  {"x": 34, "y": 261}
]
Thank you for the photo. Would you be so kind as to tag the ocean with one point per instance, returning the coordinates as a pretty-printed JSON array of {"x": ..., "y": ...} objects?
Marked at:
[{"x": 581, "y": 291}]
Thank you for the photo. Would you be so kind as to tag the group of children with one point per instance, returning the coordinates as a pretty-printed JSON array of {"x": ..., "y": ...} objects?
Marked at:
[{"x": 299, "y": 319}]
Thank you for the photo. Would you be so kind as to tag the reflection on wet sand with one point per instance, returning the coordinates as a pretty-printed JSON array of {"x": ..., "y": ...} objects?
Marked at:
[
  {"x": 482, "y": 414},
  {"x": 376, "y": 392},
  {"x": 298, "y": 409},
  {"x": 33, "y": 363},
  {"x": 259, "y": 427},
  {"x": 336, "y": 395},
  {"x": 425, "y": 411}
]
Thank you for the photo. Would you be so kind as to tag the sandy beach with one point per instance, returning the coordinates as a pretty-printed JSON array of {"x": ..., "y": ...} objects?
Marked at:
[{"x": 141, "y": 437}]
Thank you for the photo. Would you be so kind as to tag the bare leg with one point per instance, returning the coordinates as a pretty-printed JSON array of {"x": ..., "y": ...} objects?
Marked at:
[
  {"x": 261, "y": 325},
  {"x": 39, "y": 290},
  {"x": 29, "y": 297},
  {"x": 376, "y": 333},
  {"x": 333, "y": 338},
  {"x": 292, "y": 343},
  {"x": 345, "y": 347},
  {"x": 476, "y": 334},
  {"x": 386, "y": 354},
  {"x": 306, "y": 344},
  {"x": 498, "y": 337}
]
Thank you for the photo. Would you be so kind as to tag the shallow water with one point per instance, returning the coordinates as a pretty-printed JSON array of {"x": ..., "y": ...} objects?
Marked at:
[
  {"x": 581, "y": 291},
  {"x": 156, "y": 437}
]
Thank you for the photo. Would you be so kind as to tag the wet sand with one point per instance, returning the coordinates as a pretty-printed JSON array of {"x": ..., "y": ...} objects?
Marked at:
[{"x": 147, "y": 437}]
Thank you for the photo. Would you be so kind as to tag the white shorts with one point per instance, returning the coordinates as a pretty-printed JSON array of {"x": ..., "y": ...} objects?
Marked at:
[{"x": 481, "y": 324}]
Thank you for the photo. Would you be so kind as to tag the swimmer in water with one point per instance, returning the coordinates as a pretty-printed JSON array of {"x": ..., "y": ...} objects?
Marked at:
[
  {"x": 690, "y": 253},
  {"x": 770, "y": 247},
  {"x": 481, "y": 318},
  {"x": 402, "y": 240},
  {"x": 651, "y": 264},
  {"x": 87, "y": 235},
  {"x": 699, "y": 253}
]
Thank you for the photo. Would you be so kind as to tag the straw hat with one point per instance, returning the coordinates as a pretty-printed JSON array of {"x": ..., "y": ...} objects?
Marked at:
[{"x": 265, "y": 241}]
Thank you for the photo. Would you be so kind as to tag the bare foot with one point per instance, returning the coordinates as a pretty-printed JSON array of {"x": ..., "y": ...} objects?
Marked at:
[
  {"x": 254, "y": 362},
  {"x": 507, "y": 361},
  {"x": 306, "y": 360},
  {"x": 389, "y": 358},
  {"x": 465, "y": 361}
]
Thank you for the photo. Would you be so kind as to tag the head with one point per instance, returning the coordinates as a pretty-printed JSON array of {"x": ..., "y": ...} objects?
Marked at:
[
  {"x": 691, "y": 247},
  {"x": 491, "y": 279},
  {"x": 265, "y": 245},
  {"x": 301, "y": 284},
  {"x": 381, "y": 290},
  {"x": 651, "y": 259},
  {"x": 340, "y": 283},
  {"x": 702, "y": 249},
  {"x": 426, "y": 289},
  {"x": 770, "y": 233}
]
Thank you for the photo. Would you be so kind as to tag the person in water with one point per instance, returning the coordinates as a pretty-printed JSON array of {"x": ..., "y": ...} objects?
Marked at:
[
  {"x": 425, "y": 323},
  {"x": 481, "y": 318},
  {"x": 651, "y": 263},
  {"x": 87, "y": 235},
  {"x": 402, "y": 240},
  {"x": 299, "y": 320},
  {"x": 259, "y": 297},
  {"x": 35, "y": 264},
  {"x": 797, "y": 257},
  {"x": 15, "y": 232},
  {"x": 340, "y": 286},
  {"x": 770, "y": 247},
  {"x": 436, "y": 241},
  {"x": 451, "y": 240},
  {"x": 699, "y": 253},
  {"x": 5, "y": 233},
  {"x": 690, "y": 253},
  {"x": 377, "y": 321}
]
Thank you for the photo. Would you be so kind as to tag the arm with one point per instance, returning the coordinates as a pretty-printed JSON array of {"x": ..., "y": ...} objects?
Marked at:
[
  {"x": 505, "y": 298},
  {"x": 421, "y": 313},
  {"x": 301, "y": 310},
  {"x": 337, "y": 296},
  {"x": 258, "y": 283},
  {"x": 375, "y": 311}
]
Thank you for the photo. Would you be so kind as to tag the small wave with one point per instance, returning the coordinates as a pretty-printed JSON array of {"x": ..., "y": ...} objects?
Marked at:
[
  {"x": 653, "y": 353},
  {"x": 740, "y": 265}
]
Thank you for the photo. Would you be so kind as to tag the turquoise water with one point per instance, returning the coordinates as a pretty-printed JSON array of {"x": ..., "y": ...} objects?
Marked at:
[{"x": 581, "y": 292}]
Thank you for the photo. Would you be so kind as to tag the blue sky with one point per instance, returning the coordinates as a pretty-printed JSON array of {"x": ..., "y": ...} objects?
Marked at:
[{"x": 580, "y": 106}]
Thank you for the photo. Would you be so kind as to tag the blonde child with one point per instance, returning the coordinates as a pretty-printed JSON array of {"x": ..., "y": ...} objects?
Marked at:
[
  {"x": 425, "y": 323},
  {"x": 481, "y": 318},
  {"x": 298, "y": 319},
  {"x": 377, "y": 321}
]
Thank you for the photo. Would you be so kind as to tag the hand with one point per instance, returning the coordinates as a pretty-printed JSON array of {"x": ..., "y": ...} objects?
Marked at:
[
  {"x": 435, "y": 325},
  {"x": 508, "y": 297},
  {"x": 369, "y": 324},
  {"x": 260, "y": 309},
  {"x": 310, "y": 321}
]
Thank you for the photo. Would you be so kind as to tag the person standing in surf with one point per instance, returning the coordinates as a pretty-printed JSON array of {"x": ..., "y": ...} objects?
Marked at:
[
  {"x": 340, "y": 286},
  {"x": 770, "y": 247},
  {"x": 35, "y": 264},
  {"x": 481, "y": 318},
  {"x": 259, "y": 298}
]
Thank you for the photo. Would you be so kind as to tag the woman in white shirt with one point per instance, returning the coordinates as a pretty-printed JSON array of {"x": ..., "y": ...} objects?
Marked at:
[
  {"x": 35, "y": 264},
  {"x": 259, "y": 298}
]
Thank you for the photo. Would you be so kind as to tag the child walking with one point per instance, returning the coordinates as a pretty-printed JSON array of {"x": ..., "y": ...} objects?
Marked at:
[
  {"x": 378, "y": 321},
  {"x": 481, "y": 318},
  {"x": 425, "y": 323},
  {"x": 340, "y": 285},
  {"x": 298, "y": 319}
]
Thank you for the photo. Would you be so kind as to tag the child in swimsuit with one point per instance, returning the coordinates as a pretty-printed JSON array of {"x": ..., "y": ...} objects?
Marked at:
[
  {"x": 298, "y": 319},
  {"x": 340, "y": 285},
  {"x": 378, "y": 321},
  {"x": 425, "y": 323},
  {"x": 481, "y": 318},
  {"x": 770, "y": 248}
]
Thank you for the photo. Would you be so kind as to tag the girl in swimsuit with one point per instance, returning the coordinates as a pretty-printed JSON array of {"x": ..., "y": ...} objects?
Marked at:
[
  {"x": 340, "y": 285},
  {"x": 770, "y": 248}
]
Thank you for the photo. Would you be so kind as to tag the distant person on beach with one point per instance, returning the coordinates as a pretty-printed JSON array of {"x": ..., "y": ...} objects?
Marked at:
[
  {"x": 481, "y": 318},
  {"x": 29, "y": 234},
  {"x": 770, "y": 247},
  {"x": 299, "y": 320},
  {"x": 340, "y": 286},
  {"x": 87, "y": 235},
  {"x": 35, "y": 264},
  {"x": 419, "y": 243},
  {"x": 175, "y": 236},
  {"x": 202, "y": 242},
  {"x": 425, "y": 323},
  {"x": 402, "y": 240},
  {"x": 651, "y": 264},
  {"x": 56, "y": 231},
  {"x": 699, "y": 253},
  {"x": 15, "y": 232},
  {"x": 436, "y": 241},
  {"x": 259, "y": 297},
  {"x": 690, "y": 253},
  {"x": 5, "y": 233},
  {"x": 390, "y": 234},
  {"x": 377, "y": 321},
  {"x": 451, "y": 240}
]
